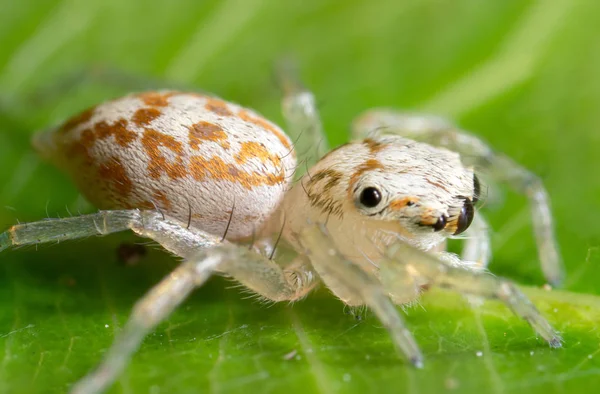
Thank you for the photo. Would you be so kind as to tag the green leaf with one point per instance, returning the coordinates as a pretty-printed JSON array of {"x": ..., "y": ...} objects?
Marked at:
[{"x": 523, "y": 75}]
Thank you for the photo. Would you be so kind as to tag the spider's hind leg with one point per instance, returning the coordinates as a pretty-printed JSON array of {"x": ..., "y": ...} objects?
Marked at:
[
  {"x": 262, "y": 275},
  {"x": 475, "y": 152},
  {"x": 169, "y": 233}
]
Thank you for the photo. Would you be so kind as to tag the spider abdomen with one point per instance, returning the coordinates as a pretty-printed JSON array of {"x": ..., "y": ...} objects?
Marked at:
[{"x": 193, "y": 156}]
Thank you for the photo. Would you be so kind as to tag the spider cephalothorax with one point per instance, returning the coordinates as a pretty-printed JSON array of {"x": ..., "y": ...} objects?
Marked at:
[
  {"x": 200, "y": 175},
  {"x": 381, "y": 186}
]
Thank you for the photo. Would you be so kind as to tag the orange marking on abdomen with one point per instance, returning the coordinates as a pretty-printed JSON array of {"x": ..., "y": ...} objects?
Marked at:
[
  {"x": 116, "y": 177},
  {"x": 217, "y": 169},
  {"x": 157, "y": 163},
  {"x": 144, "y": 116},
  {"x": 80, "y": 148},
  {"x": 217, "y": 106},
  {"x": 205, "y": 131},
  {"x": 156, "y": 99},
  {"x": 260, "y": 122},
  {"x": 160, "y": 197},
  {"x": 253, "y": 149},
  {"x": 144, "y": 205},
  {"x": 118, "y": 130},
  {"x": 77, "y": 120}
]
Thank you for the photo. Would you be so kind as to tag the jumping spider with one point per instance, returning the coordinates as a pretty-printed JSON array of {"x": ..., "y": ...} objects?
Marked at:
[{"x": 212, "y": 182}]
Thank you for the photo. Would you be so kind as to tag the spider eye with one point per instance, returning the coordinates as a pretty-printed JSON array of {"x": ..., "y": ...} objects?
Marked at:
[
  {"x": 465, "y": 218},
  {"x": 370, "y": 197},
  {"x": 440, "y": 224},
  {"x": 476, "y": 189}
]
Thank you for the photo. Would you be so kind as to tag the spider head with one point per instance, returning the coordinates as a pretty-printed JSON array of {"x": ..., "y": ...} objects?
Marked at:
[
  {"x": 425, "y": 189},
  {"x": 420, "y": 192}
]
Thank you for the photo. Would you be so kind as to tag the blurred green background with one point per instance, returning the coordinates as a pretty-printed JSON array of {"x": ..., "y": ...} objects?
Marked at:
[{"x": 522, "y": 74}]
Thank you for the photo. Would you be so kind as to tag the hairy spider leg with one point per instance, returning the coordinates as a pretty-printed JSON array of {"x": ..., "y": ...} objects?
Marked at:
[
  {"x": 474, "y": 151},
  {"x": 425, "y": 267}
]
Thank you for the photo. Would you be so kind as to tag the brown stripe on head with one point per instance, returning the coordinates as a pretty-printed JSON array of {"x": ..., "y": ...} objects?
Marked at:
[
  {"x": 331, "y": 176},
  {"x": 437, "y": 184},
  {"x": 323, "y": 198},
  {"x": 369, "y": 165},
  {"x": 374, "y": 146}
]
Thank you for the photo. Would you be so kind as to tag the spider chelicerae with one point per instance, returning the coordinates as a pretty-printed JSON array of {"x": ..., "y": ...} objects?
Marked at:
[{"x": 213, "y": 183}]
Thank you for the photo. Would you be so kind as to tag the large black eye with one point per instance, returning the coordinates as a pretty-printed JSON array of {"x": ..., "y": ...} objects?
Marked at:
[
  {"x": 370, "y": 197},
  {"x": 440, "y": 224},
  {"x": 476, "y": 189},
  {"x": 465, "y": 218}
]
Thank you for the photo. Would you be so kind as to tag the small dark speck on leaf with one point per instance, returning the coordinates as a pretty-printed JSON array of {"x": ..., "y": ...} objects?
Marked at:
[{"x": 129, "y": 254}]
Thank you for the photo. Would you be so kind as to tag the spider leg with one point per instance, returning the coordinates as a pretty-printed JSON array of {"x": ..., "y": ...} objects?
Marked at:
[
  {"x": 355, "y": 286},
  {"x": 301, "y": 115},
  {"x": 382, "y": 121},
  {"x": 154, "y": 307},
  {"x": 248, "y": 267},
  {"x": 401, "y": 258},
  {"x": 170, "y": 233},
  {"x": 475, "y": 152},
  {"x": 477, "y": 249}
]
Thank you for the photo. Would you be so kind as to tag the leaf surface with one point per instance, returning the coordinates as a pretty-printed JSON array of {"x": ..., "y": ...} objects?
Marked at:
[{"x": 523, "y": 75}]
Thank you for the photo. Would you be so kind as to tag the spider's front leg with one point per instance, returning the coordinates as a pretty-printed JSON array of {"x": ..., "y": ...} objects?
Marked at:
[
  {"x": 427, "y": 268},
  {"x": 250, "y": 268},
  {"x": 477, "y": 250},
  {"x": 153, "y": 308},
  {"x": 357, "y": 287},
  {"x": 475, "y": 152}
]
